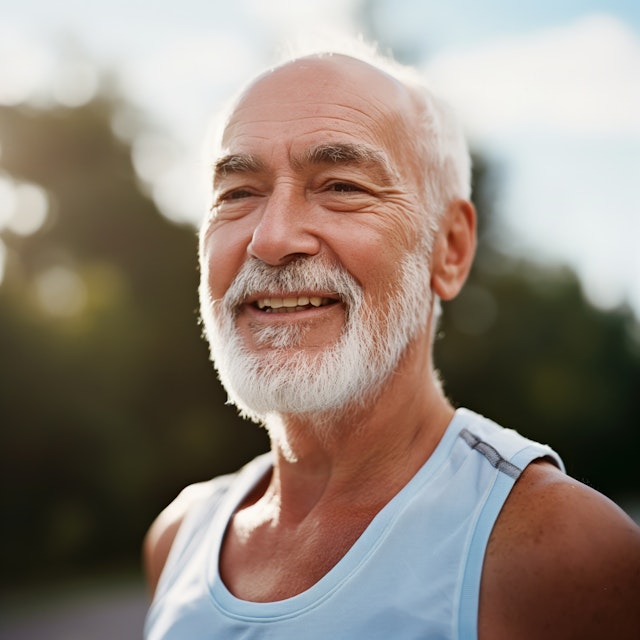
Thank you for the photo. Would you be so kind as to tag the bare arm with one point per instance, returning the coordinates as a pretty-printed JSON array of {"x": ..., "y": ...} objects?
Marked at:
[{"x": 563, "y": 562}]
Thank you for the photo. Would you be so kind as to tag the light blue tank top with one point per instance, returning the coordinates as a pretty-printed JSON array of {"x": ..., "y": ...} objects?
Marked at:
[{"x": 414, "y": 572}]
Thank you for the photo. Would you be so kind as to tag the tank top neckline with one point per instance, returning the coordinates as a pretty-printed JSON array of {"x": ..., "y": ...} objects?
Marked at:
[{"x": 358, "y": 554}]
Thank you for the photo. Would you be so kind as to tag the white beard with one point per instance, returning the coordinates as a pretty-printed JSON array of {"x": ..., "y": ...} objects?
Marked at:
[{"x": 281, "y": 380}]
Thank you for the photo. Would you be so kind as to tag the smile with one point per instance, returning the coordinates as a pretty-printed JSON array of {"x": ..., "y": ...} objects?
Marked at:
[{"x": 293, "y": 304}]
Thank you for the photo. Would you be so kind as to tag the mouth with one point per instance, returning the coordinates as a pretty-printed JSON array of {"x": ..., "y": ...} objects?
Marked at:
[{"x": 292, "y": 304}]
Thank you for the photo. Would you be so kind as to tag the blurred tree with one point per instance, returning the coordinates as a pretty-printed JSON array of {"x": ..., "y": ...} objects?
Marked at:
[{"x": 108, "y": 404}]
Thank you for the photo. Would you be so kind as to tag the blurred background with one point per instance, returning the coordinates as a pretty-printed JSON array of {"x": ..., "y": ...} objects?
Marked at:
[{"x": 108, "y": 405}]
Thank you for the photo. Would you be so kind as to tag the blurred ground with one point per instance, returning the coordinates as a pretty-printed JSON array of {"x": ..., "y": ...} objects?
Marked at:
[{"x": 82, "y": 612}]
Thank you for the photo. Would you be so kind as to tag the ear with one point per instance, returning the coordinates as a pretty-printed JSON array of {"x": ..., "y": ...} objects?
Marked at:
[{"x": 453, "y": 249}]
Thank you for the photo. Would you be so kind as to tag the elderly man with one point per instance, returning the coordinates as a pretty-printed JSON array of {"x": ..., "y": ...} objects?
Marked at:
[{"x": 340, "y": 218}]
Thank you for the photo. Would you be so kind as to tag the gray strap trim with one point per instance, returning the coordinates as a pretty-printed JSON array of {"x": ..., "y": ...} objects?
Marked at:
[{"x": 491, "y": 454}]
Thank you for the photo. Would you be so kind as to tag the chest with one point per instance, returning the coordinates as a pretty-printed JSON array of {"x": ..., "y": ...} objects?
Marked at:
[
  {"x": 395, "y": 574},
  {"x": 416, "y": 567},
  {"x": 274, "y": 563}
]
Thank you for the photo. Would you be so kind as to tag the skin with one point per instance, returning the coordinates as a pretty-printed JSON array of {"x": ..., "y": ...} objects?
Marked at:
[{"x": 562, "y": 561}]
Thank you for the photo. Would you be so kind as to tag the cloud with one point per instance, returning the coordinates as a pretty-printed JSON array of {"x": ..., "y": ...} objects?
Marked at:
[
  {"x": 286, "y": 19},
  {"x": 580, "y": 78}
]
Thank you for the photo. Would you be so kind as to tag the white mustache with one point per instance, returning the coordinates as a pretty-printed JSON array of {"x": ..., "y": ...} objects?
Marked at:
[{"x": 303, "y": 274}]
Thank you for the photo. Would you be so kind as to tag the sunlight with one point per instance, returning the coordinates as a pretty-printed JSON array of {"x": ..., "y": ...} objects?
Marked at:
[
  {"x": 7, "y": 200},
  {"x": 61, "y": 291},
  {"x": 30, "y": 209},
  {"x": 75, "y": 84},
  {"x": 3, "y": 260},
  {"x": 23, "y": 206},
  {"x": 153, "y": 155}
]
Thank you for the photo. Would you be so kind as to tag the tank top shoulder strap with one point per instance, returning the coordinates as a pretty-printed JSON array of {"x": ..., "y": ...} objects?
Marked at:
[{"x": 508, "y": 453}]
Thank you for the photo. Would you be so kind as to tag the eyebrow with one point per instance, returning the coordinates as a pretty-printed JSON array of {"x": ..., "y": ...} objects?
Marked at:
[
  {"x": 325, "y": 154},
  {"x": 347, "y": 154},
  {"x": 236, "y": 163}
]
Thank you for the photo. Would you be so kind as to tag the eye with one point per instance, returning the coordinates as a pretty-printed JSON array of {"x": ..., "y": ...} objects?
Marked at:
[
  {"x": 231, "y": 196},
  {"x": 345, "y": 187},
  {"x": 233, "y": 203},
  {"x": 236, "y": 194}
]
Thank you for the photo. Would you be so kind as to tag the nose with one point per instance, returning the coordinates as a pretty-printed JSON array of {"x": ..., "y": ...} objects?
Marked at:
[{"x": 284, "y": 231}]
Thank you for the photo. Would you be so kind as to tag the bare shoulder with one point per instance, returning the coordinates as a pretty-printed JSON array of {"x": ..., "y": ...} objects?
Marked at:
[
  {"x": 159, "y": 539},
  {"x": 563, "y": 561}
]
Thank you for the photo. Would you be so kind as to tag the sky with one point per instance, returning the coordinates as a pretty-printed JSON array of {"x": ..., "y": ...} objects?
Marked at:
[{"x": 548, "y": 91}]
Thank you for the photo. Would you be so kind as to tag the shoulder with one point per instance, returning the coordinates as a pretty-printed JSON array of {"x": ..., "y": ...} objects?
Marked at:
[
  {"x": 562, "y": 561},
  {"x": 161, "y": 535}
]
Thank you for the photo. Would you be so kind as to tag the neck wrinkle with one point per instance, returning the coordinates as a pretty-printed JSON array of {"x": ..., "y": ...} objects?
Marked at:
[{"x": 366, "y": 466}]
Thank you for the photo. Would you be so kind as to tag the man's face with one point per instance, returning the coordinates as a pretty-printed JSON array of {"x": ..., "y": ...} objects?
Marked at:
[{"x": 312, "y": 262}]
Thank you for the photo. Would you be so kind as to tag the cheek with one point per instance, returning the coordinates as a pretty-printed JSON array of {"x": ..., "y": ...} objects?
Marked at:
[
  {"x": 223, "y": 249},
  {"x": 382, "y": 245},
  {"x": 374, "y": 260}
]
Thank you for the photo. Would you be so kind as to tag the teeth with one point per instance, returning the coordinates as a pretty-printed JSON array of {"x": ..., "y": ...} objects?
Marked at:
[{"x": 291, "y": 304}]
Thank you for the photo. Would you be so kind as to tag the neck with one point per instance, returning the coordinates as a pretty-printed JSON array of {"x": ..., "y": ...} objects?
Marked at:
[{"x": 364, "y": 454}]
